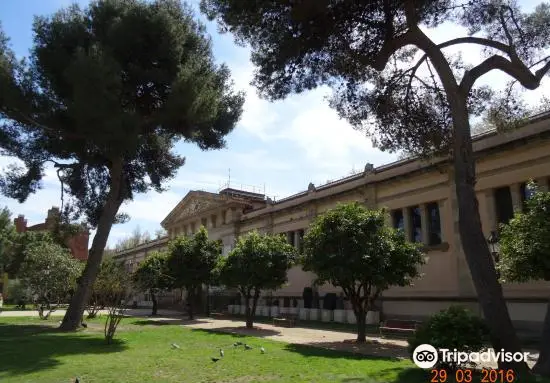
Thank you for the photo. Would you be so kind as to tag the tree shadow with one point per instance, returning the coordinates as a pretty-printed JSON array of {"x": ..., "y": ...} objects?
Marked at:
[
  {"x": 371, "y": 348},
  {"x": 342, "y": 350},
  {"x": 242, "y": 331},
  {"x": 29, "y": 348}
]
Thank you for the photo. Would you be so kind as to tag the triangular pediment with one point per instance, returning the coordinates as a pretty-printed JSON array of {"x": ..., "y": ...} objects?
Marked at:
[{"x": 192, "y": 205}]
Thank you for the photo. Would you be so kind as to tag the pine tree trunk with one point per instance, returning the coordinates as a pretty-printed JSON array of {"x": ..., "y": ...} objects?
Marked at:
[
  {"x": 155, "y": 303},
  {"x": 78, "y": 302},
  {"x": 542, "y": 367},
  {"x": 476, "y": 249}
]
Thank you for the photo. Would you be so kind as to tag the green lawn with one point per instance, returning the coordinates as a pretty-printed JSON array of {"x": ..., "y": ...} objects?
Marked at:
[{"x": 34, "y": 351}]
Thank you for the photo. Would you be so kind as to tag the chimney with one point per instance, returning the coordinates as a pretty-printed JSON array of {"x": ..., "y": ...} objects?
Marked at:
[
  {"x": 52, "y": 218},
  {"x": 20, "y": 224}
]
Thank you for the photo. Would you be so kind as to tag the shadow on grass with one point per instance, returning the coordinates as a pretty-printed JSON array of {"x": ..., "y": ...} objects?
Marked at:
[
  {"x": 241, "y": 331},
  {"x": 370, "y": 349},
  {"x": 31, "y": 348},
  {"x": 342, "y": 350}
]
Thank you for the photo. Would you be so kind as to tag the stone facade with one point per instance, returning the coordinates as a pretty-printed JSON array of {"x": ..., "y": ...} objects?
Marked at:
[{"x": 420, "y": 198}]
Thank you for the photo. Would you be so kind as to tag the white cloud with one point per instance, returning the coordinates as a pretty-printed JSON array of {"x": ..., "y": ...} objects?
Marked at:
[{"x": 152, "y": 207}]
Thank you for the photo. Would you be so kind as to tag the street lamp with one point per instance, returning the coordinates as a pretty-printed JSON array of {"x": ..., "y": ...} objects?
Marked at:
[{"x": 494, "y": 247}]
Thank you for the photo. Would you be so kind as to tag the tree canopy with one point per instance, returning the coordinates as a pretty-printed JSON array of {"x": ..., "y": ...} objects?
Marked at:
[
  {"x": 49, "y": 272},
  {"x": 152, "y": 275},
  {"x": 258, "y": 262},
  {"x": 351, "y": 247},
  {"x": 406, "y": 90},
  {"x": 191, "y": 263},
  {"x": 105, "y": 94}
]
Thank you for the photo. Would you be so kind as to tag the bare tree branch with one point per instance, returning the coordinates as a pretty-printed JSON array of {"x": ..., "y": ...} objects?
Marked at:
[
  {"x": 479, "y": 41},
  {"x": 515, "y": 70},
  {"x": 542, "y": 71}
]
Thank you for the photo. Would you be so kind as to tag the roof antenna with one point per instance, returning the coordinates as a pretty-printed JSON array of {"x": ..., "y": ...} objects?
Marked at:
[{"x": 229, "y": 180}]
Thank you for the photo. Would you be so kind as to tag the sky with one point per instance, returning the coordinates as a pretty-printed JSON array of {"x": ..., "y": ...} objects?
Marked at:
[{"x": 277, "y": 147}]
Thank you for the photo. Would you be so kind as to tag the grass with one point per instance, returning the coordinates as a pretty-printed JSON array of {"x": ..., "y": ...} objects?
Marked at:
[{"x": 32, "y": 350}]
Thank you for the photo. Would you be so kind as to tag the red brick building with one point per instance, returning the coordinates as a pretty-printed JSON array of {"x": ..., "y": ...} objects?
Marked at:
[{"x": 78, "y": 244}]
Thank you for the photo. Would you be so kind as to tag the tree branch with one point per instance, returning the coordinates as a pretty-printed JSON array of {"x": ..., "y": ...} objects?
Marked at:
[
  {"x": 542, "y": 71},
  {"x": 479, "y": 41},
  {"x": 516, "y": 70},
  {"x": 390, "y": 46}
]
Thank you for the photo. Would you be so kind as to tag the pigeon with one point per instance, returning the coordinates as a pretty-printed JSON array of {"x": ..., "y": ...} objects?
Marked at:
[
  {"x": 262, "y": 350},
  {"x": 77, "y": 380},
  {"x": 175, "y": 345},
  {"x": 237, "y": 343},
  {"x": 85, "y": 325},
  {"x": 215, "y": 359},
  {"x": 247, "y": 347},
  {"x": 221, "y": 353}
]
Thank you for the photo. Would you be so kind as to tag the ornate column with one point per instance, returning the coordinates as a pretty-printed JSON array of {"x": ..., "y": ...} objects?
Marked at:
[
  {"x": 407, "y": 223},
  {"x": 424, "y": 224},
  {"x": 296, "y": 239},
  {"x": 491, "y": 209},
  {"x": 515, "y": 191}
]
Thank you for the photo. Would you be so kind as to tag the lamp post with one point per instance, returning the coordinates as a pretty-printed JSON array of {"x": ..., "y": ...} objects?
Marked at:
[{"x": 494, "y": 247}]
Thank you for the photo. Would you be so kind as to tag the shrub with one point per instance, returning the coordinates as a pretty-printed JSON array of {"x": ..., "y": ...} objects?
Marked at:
[{"x": 455, "y": 327}]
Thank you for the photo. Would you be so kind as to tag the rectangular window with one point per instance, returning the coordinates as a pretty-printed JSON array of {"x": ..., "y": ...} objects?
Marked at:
[
  {"x": 214, "y": 219},
  {"x": 434, "y": 223},
  {"x": 503, "y": 205},
  {"x": 290, "y": 237},
  {"x": 398, "y": 219},
  {"x": 416, "y": 224}
]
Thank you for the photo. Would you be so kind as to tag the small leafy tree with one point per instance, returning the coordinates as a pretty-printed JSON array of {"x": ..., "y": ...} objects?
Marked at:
[
  {"x": 152, "y": 276},
  {"x": 191, "y": 262},
  {"x": 258, "y": 262},
  {"x": 113, "y": 288},
  {"x": 99, "y": 291},
  {"x": 525, "y": 256},
  {"x": 352, "y": 248},
  {"x": 49, "y": 272}
]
